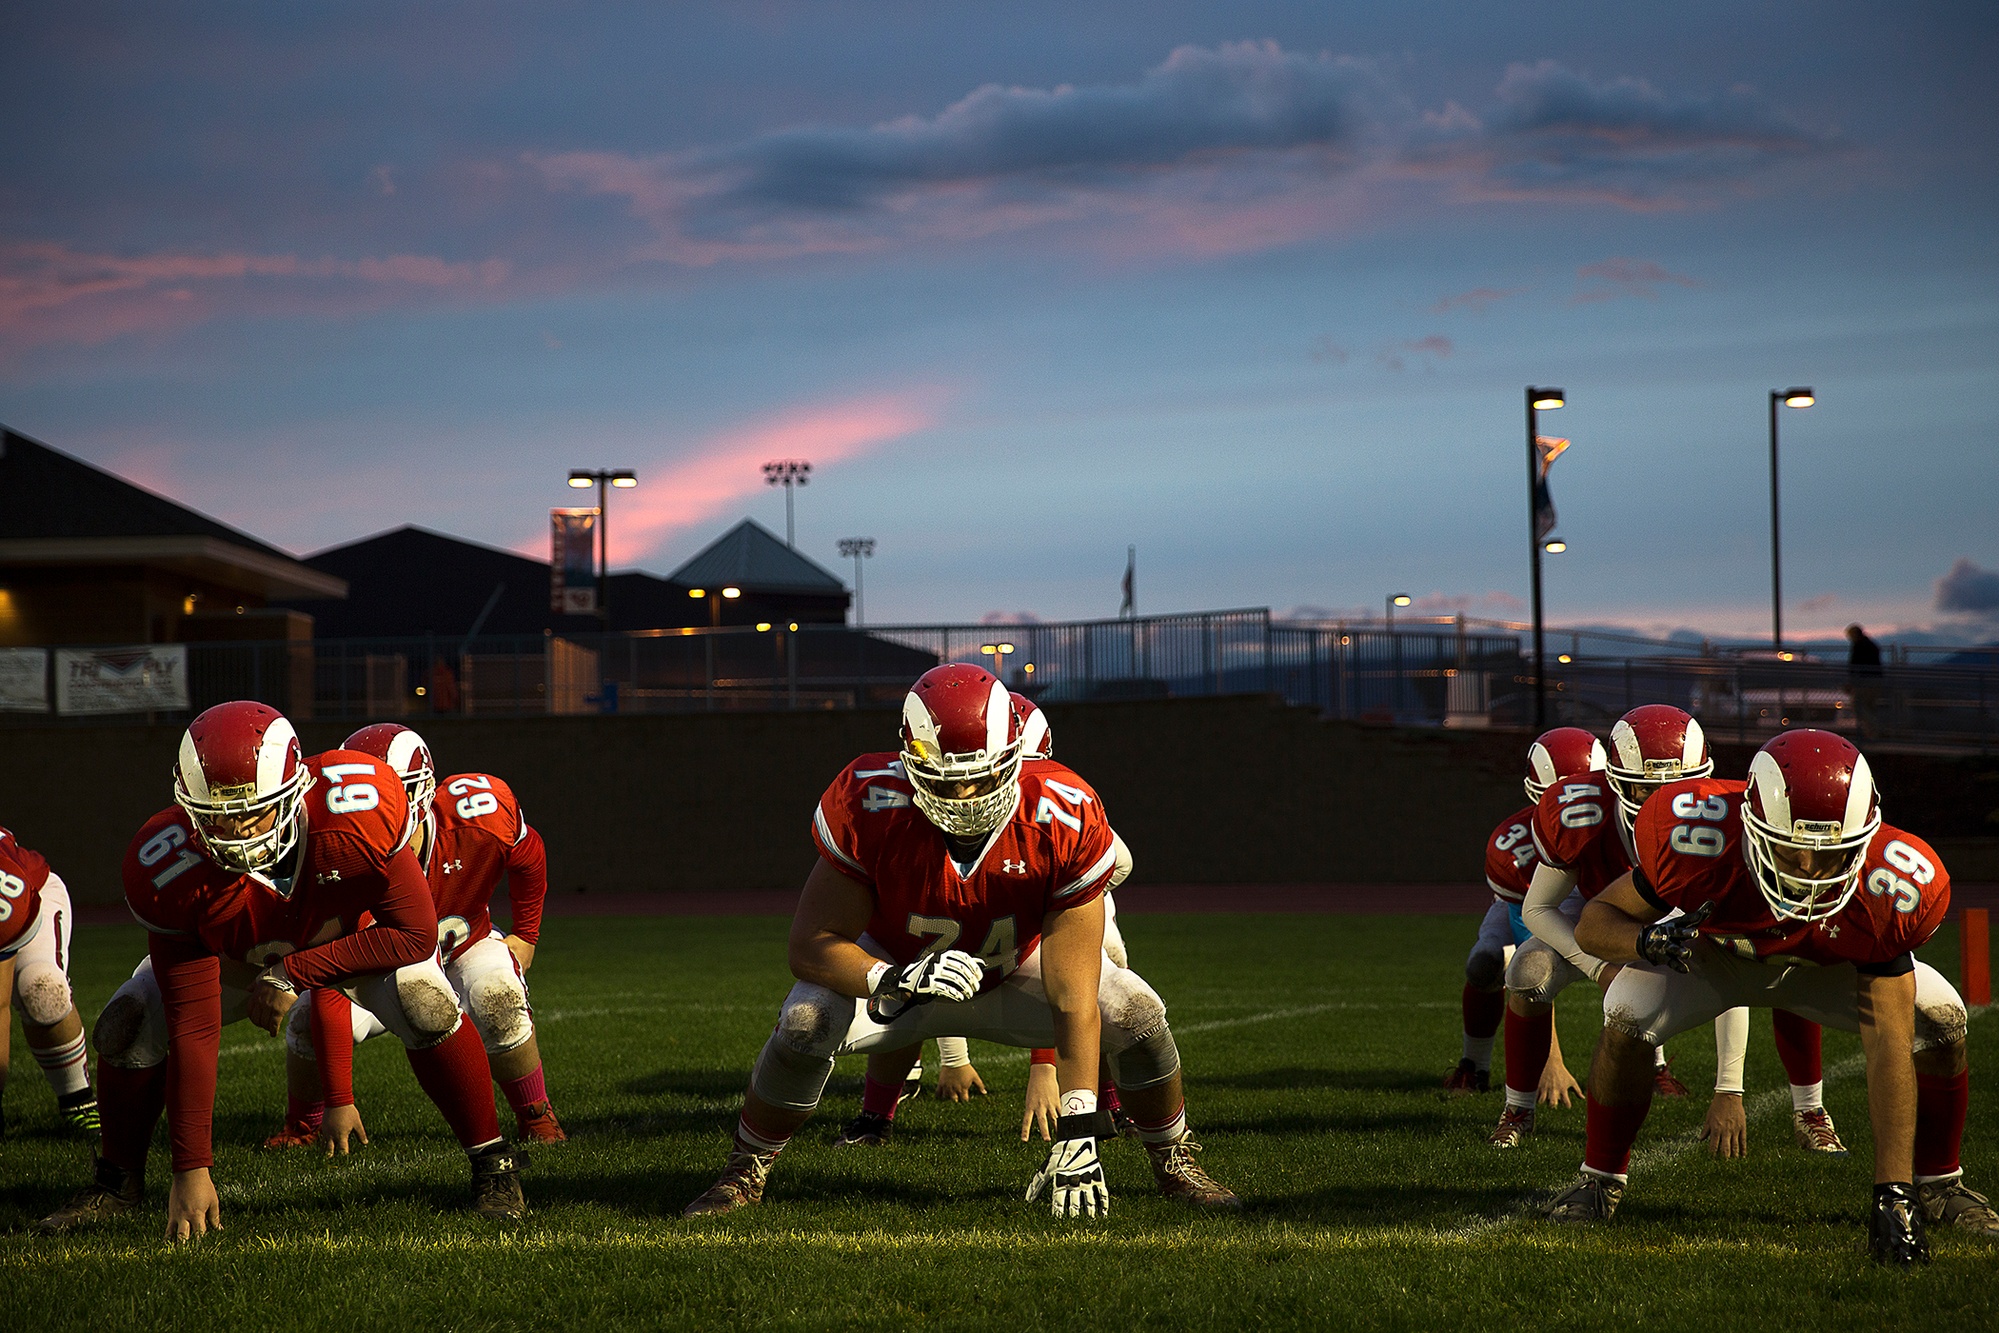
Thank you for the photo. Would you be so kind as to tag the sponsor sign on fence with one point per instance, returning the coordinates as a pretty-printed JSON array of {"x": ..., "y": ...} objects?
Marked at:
[
  {"x": 121, "y": 680},
  {"x": 24, "y": 680}
]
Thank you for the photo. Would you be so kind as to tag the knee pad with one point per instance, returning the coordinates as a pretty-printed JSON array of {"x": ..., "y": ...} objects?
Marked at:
[
  {"x": 1531, "y": 975},
  {"x": 44, "y": 993},
  {"x": 814, "y": 1021},
  {"x": 1485, "y": 969},
  {"x": 1146, "y": 1063},
  {"x": 429, "y": 1005},
  {"x": 1939, "y": 1024},
  {"x": 1114, "y": 944},
  {"x": 298, "y": 1029},
  {"x": 788, "y": 1077},
  {"x": 128, "y": 1035},
  {"x": 498, "y": 1005},
  {"x": 1131, "y": 1009}
]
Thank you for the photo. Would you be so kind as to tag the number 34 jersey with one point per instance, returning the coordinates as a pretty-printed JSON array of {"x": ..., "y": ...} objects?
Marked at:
[
  {"x": 1055, "y": 851},
  {"x": 477, "y": 834},
  {"x": 1689, "y": 839}
]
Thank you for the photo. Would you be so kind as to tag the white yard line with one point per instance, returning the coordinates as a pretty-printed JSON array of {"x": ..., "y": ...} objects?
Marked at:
[{"x": 1266, "y": 1016}]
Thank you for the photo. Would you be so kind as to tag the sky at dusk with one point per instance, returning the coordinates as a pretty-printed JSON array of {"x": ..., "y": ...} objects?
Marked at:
[{"x": 1253, "y": 287}]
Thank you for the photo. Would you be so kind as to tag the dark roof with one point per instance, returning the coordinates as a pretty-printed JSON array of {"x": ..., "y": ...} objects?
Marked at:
[{"x": 751, "y": 557}]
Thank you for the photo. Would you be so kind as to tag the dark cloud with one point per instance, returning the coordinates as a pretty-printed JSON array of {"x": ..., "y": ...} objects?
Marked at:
[{"x": 1968, "y": 589}]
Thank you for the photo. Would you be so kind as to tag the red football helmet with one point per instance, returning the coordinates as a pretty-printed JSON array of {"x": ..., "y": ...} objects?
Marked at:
[
  {"x": 242, "y": 779},
  {"x": 961, "y": 749},
  {"x": 1557, "y": 755},
  {"x": 1807, "y": 817},
  {"x": 404, "y": 751},
  {"x": 1036, "y": 742},
  {"x": 1650, "y": 746}
]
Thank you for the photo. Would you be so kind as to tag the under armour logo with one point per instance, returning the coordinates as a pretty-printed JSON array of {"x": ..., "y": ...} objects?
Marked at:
[
  {"x": 329, "y": 877},
  {"x": 1832, "y": 930},
  {"x": 450, "y": 866},
  {"x": 1012, "y": 867}
]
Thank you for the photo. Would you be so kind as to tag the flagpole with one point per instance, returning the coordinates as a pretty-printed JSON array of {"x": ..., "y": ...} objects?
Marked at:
[{"x": 1536, "y": 397}]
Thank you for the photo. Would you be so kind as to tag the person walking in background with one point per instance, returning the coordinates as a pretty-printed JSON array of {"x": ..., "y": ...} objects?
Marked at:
[{"x": 1863, "y": 671}]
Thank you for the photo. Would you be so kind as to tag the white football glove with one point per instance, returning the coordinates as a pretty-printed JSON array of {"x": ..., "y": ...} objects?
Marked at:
[
  {"x": 951, "y": 975},
  {"x": 1073, "y": 1173}
]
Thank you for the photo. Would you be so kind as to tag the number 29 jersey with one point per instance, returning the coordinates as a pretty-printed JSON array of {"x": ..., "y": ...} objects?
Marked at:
[{"x": 1055, "y": 851}]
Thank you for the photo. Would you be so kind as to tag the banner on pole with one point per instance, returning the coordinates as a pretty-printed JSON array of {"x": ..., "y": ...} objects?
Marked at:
[
  {"x": 572, "y": 561},
  {"x": 1547, "y": 448},
  {"x": 142, "y": 679},
  {"x": 24, "y": 680}
]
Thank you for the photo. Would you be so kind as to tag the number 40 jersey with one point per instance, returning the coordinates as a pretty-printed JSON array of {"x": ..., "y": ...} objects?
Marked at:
[{"x": 1055, "y": 851}]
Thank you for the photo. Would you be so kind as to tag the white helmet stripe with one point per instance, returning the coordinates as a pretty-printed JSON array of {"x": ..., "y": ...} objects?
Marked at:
[
  {"x": 1768, "y": 780},
  {"x": 1630, "y": 756},
  {"x": 1859, "y": 796},
  {"x": 272, "y": 751},
  {"x": 1542, "y": 763},
  {"x": 403, "y": 751},
  {"x": 1696, "y": 745},
  {"x": 192, "y": 779},
  {"x": 922, "y": 726},
  {"x": 999, "y": 713}
]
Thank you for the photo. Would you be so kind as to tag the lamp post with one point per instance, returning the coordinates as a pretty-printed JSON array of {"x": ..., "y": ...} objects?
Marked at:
[
  {"x": 858, "y": 549},
  {"x": 787, "y": 472},
  {"x": 1394, "y": 600},
  {"x": 1538, "y": 401},
  {"x": 582, "y": 479},
  {"x": 714, "y": 623},
  {"x": 1793, "y": 397}
]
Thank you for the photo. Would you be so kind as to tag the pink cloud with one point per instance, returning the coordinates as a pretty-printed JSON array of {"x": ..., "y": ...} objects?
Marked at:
[
  {"x": 1616, "y": 278},
  {"x": 1477, "y": 300}
]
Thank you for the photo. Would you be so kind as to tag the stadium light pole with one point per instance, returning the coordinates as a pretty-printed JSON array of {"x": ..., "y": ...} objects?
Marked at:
[
  {"x": 1390, "y": 603},
  {"x": 624, "y": 479},
  {"x": 1792, "y": 397},
  {"x": 787, "y": 472},
  {"x": 858, "y": 549},
  {"x": 714, "y": 623},
  {"x": 1538, "y": 400}
]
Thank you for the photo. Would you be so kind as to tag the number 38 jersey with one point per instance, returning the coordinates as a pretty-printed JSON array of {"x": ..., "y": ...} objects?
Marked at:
[
  {"x": 1510, "y": 856},
  {"x": 1689, "y": 839},
  {"x": 1056, "y": 850},
  {"x": 22, "y": 874},
  {"x": 476, "y": 835},
  {"x": 1574, "y": 831}
]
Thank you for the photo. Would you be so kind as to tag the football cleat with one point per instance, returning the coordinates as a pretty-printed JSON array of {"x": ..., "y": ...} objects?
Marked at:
[
  {"x": 1666, "y": 1084},
  {"x": 78, "y": 1111},
  {"x": 740, "y": 1185},
  {"x": 1951, "y": 1203},
  {"x": 1468, "y": 1077},
  {"x": 1123, "y": 1124},
  {"x": 1515, "y": 1124},
  {"x": 1179, "y": 1177},
  {"x": 912, "y": 1086},
  {"x": 1815, "y": 1133},
  {"x": 1895, "y": 1227},
  {"x": 869, "y": 1129},
  {"x": 538, "y": 1124},
  {"x": 114, "y": 1193},
  {"x": 496, "y": 1182},
  {"x": 293, "y": 1135},
  {"x": 1592, "y": 1198}
]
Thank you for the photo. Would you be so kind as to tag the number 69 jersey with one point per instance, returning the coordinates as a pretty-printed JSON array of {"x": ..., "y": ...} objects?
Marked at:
[
  {"x": 1689, "y": 838},
  {"x": 1056, "y": 850},
  {"x": 477, "y": 835}
]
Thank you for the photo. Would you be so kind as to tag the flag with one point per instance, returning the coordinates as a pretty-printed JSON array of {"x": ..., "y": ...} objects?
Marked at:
[
  {"x": 1130, "y": 605},
  {"x": 572, "y": 561},
  {"x": 1547, "y": 448}
]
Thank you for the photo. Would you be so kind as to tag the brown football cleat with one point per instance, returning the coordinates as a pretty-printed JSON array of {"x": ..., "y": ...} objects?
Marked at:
[
  {"x": 1667, "y": 1084},
  {"x": 496, "y": 1183},
  {"x": 1515, "y": 1124},
  {"x": 537, "y": 1124},
  {"x": 114, "y": 1193},
  {"x": 1467, "y": 1077},
  {"x": 1179, "y": 1177},
  {"x": 868, "y": 1129},
  {"x": 293, "y": 1135},
  {"x": 1951, "y": 1203},
  {"x": 1592, "y": 1198},
  {"x": 1815, "y": 1133},
  {"x": 740, "y": 1185}
]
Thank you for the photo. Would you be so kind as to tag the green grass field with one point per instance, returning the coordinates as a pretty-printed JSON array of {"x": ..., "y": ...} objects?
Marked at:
[{"x": 1313, "y": 1046}]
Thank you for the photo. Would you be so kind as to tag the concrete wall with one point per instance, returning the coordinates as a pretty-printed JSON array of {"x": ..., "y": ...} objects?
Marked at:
[{"x": 1222, "y": 791}]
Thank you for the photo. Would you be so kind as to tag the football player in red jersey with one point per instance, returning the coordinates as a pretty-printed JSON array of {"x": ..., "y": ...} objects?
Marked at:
[
  {"x": 1510, "y": 859},
  {"x": 1794, "y": 894},
  {"x": 466, "y": 841},
  {"x": 1581, "y": 852},
  {"x": 35, "y": 923},
  {"x": 252, "y": 885},
  {"x": 947, "y": 844}
]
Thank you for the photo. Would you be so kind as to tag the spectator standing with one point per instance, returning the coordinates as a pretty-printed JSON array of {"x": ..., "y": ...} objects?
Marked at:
[{"x": 1864, "y": 679}]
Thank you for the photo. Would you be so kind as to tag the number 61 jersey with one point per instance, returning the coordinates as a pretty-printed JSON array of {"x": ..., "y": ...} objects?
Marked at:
[
  {"x": 1689, "y": 838},
  {"x": 1056, "y": 850}
]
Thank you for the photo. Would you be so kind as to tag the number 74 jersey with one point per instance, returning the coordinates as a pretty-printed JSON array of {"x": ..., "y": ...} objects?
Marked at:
[
  {"x": 1056, "y": 850},
  {"x": 1689, "y": 838}
]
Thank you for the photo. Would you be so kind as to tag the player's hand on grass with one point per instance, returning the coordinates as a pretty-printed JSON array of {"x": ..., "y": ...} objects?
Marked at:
[
  {"x": 269, "y": 1003},
  {"x": 1044, "y": 1103},
  {"x": 959, "y": 1083},
  {"x": 522, "y": 951},
  {"x": 1670, "y": 943},
  {"x": 193, "y": 1208},
  {"x": 1073, "y": 1173},
  {"x": 342, "y": 1125},
  {"x": 1558, "y": 1086},
  {"x": 1727, "y": 1127},
  {"x": 952, "y": 975}
]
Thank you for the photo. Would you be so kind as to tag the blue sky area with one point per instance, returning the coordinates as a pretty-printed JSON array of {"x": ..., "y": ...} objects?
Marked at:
[{"x": 1253, "y": 287}]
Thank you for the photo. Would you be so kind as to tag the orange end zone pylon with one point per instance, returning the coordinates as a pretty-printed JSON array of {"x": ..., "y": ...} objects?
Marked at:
[{"x": 1974, "y": 933}]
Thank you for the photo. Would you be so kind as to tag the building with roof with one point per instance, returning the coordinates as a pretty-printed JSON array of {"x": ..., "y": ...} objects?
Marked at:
[
  {"x": 775, "y": 582},
  {"x": 88, "y": 558}
]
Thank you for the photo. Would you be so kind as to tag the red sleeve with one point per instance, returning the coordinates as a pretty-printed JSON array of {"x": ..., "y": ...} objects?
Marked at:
[
  {"x": 190, "y": 981},
  {"x": 834, "y": 830},
  {"x": 527, "y": 883},
  {"x": 404, "y": 932},
  {"x": 1086, "y": 855},
  {"x": 1041, "y": 1055},
  {"x": 333, "y": 1041}
]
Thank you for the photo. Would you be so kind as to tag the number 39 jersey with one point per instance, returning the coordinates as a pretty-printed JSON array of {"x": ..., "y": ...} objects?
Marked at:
[
  {"x": 1056, "y": 850},
  {"x": 1689, "y": 839},
  {"x": 1574, "y": 831},
  {"x": 478, "y": 835},
  {"x": 1510, "y": 856},
  {"x": 22, "y": 874}
]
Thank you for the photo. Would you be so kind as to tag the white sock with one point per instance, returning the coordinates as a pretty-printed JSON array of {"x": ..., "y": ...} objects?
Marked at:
[
  {"x": 1167, "y": 1132},
  {"x": 1934, "y": 1180},
  {"x": 1621, "y": 1177},
  {"x": 749, "y": 1138},
  {"x": 67, "y": 1066},
  {"x": 1478, "y": 1050},
  {"x": 1658, "y": 1057},
  {"x": 1808, "y": 1096},
  {"x": 1517, "y": 1100}
]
